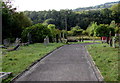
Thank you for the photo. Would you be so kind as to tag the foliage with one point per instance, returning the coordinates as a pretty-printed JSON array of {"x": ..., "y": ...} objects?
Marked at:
[
  {"x": 49, "y": 21},
  {"x": 116, "y": 12},
  {"x": 52, "y": 29},
  {"x": 53, "y": 32},
  {"x": 12, "y": 21},
  {"x": 117, "y": 30},
  {"x": 70, "y": 33},
  {"x": 115, "y": 26},
  {"x": 76, "y": 30},
  {"x": 82, "y": 19},
  {"x": 91, "y": 30},
  {"x": 84, "y": 32},
  {"x": 104, "y": 30},
  {"x": 38, "y": 32}
]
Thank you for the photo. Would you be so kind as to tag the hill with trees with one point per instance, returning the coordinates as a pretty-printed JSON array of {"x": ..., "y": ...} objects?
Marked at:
[
  {"x": 101, "y": 6},
  {"x": 69, "y": 18},
  {"x": 51, "y": 23}
]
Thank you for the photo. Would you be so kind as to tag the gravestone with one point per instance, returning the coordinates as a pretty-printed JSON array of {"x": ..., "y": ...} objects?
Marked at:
[
  {"x": 113, "y": 42},
  {"x": 17, "y": 41},
  {"x": 54, "y": 39},
  {"x": 6, "y": 42},
  {"x": 110, "y": 42},
  {"x": 46, "y": 40},
  {"x": 29, "y": 38}
]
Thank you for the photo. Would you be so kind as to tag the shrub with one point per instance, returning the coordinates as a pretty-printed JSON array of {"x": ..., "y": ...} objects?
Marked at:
[{"x": 38, "y": 33}]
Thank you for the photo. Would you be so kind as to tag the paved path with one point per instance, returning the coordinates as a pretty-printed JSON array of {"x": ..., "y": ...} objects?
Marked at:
[{"x": 68, "y": 63}]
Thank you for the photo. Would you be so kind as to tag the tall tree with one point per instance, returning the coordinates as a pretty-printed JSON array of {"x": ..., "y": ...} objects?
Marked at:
[{"x": 12, "y": 21}]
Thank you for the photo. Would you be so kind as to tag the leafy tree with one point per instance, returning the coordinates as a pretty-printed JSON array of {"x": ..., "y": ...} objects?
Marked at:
[
  {"x": 84, "y": 32},
  {"x": 38, "y": 32},
  {"x": 104, "y": 30},
  {"x": 91, "y": 29},
  {"x": 70, "y": 33},
  {"x": 116, "y": 12},
  {"x": 115, "y": 26},
  {"x": 49, "y": 21},
  {"x": 67, "y": 18},
  {"x": 12, "y": 21},
  {"x": 52, "y": 29},
  {"x": 76, "y": 30},
  {"x": 117, "y": 30},
  {"x": 112, "y": 24}
]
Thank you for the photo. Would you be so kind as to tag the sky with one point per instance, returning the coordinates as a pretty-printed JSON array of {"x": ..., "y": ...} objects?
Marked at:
[{"x": 39, "y": 5}]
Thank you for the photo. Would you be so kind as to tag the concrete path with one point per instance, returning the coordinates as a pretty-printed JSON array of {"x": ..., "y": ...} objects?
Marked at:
[{"x": 68, "y": 63}]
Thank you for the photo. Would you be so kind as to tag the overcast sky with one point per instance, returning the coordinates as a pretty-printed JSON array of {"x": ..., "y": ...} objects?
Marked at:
[{"x": 39, "y": 5}]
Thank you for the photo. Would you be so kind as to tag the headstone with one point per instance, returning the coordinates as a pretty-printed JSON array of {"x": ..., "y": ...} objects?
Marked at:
[
  {"x": 29, "y": 38},
  {"x": 55, "y": 40},
  {"x": 45, "y": 43},
  {"x": 113, "y": 42},
  {"x": 46, "y": 40},
  {"x": 60, "y": 40},
  {"x": 110, "y": 42},
  {"x": 6, "y": 42},
  {"x": 17, "y": 41}
]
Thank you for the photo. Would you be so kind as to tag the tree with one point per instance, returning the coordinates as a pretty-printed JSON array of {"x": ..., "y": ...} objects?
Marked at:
[
  {"x": 104, "y": 30},
  {"x": 12, "y": 21},
  {"x": 52, "y": 29},
  {"x": 112, "y": 24},
  {"x": 49, "y": 21},
  {"x": 76, "y": 30},
  {"x": 91, "y": 29},
  {"x": 38, "y": 33},
  {"x": 116, "y": 12}
]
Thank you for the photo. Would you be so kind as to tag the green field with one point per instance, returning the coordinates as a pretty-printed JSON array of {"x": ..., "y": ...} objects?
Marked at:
[
  {"x": 17, "y": 61},
  {"x": 106, "y": 59}
]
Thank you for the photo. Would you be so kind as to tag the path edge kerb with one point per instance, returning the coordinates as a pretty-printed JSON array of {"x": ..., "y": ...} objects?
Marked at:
[
  {"x": 95, "y": 68},
  {"x": 35, "y": 62}
]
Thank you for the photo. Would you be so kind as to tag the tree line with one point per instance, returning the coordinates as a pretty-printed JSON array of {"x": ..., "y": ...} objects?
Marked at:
[
  {"x": 82, "y": 19},
  {"x": 52, "y": 23}
]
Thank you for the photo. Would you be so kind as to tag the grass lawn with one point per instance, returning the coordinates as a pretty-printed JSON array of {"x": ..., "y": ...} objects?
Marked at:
[
  {"x": 106, "y": 59},
  {"x": 88, "y": 41},
  {"x": 17, "y": 61}
]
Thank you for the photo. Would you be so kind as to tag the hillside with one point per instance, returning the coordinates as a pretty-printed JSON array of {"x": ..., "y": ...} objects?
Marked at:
[{"x": 101, "y": 6}]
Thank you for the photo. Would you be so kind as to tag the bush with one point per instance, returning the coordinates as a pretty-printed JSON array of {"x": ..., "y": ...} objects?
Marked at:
[
  {"x": 76, "y": 31},
  {"x": 104, "y": 30},
  {"x": 38, "y": 33}
]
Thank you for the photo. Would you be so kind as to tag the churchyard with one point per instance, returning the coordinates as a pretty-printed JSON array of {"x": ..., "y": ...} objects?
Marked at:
[
  {"x": 104, "y": 55},
  {"x": 29, "y": 36}
]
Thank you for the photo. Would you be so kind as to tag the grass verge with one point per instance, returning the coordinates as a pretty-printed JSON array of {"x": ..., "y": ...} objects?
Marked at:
[
  {"x": 106, "y": 59},
  {"x": 17, "y": 61}
]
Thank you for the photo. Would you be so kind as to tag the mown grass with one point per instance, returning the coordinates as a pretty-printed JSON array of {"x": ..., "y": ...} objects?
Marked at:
[
  {"x": 106, "y": 59},
  {"x": 19, "y": 60},
  {"x": 88, "y": 41}
]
